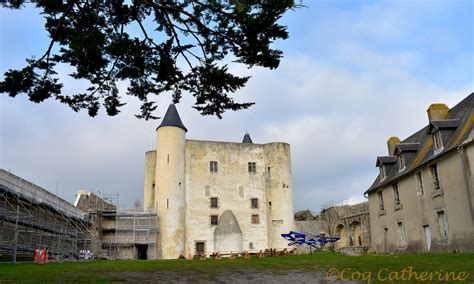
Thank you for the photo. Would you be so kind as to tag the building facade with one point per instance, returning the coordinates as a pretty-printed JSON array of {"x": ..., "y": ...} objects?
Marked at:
[
  {"x": 423, "y": 197},
  {"x": 217, "y": 196}
]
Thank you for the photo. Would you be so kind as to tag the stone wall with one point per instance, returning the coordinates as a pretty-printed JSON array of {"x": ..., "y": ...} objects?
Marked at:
[{"x": 349, "y": 222}]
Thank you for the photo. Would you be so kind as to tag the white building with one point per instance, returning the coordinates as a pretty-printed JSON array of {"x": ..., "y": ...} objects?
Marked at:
[{"x": 217, "y": 196}]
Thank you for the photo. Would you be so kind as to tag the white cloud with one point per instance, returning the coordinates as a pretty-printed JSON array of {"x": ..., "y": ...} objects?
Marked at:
[{"x": 336, "y": 102}]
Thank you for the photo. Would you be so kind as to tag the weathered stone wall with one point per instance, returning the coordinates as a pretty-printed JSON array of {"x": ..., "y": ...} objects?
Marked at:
[
  {"x": 349, "y": 222},
  {"x": 232, "y": 185}
]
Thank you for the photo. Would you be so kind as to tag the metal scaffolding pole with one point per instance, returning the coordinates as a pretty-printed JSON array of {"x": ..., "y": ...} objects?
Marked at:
[{"x": 15, "y": 239}]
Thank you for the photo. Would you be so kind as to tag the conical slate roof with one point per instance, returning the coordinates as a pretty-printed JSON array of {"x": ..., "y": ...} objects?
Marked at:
[
  {"x": 247, "y": 139},
  {"x": 172, "y": 118}
]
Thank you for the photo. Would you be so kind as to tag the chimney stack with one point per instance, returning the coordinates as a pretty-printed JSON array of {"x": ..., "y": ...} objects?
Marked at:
[
  {"x": 437, "y": 111},
  {"x": 391, "y": 143}
]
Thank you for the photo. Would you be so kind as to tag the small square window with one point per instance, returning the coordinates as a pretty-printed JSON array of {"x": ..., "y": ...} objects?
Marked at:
[
  {"x": 252, "y": 167},
  {"x": 255, "y": 219},
  {"x": 213, "y": 202},
  {"x": 213, "y": 166},
  {"x": 214, "y": 219},
  {"x": 254, "y": 203}
]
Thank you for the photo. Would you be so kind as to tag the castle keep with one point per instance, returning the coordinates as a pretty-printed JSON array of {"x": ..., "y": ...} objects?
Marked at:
[{"x": 217, "y": 196}]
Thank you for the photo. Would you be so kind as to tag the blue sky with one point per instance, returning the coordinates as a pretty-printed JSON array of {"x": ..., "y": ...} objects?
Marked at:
[{"x": 354, "y": 74}]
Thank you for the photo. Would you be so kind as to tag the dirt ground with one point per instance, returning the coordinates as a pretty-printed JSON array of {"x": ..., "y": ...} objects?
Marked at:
[{"x": 231, "y": 276}]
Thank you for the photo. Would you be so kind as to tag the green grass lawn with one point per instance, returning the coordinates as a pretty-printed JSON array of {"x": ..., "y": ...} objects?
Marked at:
[{"x": 375, "y": 267}]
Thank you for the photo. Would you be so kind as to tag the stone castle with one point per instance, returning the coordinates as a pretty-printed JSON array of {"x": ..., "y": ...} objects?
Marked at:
[{"x": 217, "y": 196}]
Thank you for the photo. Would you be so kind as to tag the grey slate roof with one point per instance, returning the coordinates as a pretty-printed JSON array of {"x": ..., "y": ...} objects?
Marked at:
[
  {"x": 386, "y": 160},
  {"x": 462, "y": 113},
  {"x": 172, "y": 118},
  {"x": 443, "y": 124},
  {"x": 406, "y": 147},
  {"x": 247, "y": 139}
]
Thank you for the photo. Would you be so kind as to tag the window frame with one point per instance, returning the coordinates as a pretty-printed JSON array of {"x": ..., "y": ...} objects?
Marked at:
[
  {"x": 380, "y": 200},
  {"x": 437, "y": 142},
  {"x": 252, "y": 167},
  {"x": 383, "y": 172},
  {"x": 419, "y": 184},
  {"x": 255, "y": 219},
  {"x": 443, "y": 227},
  {"x": 252, "y": 205},
  {"x": 396, "y": 195},
  {"x": 213, "y": 166},
  {"x": 436, "y": 179},
  {"x": 402, "y": 241},
  {"x": 211, "y": 199},
  {"x": 401, "y": 163},
  {"x": 214, "y": 218}
]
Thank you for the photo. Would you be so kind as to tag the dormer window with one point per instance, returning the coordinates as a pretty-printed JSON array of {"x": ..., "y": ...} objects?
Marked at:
[
  {"x": 439, "y": 129},
  {"x": 401, "y": 162},
  {"x": 437, "y": 142},
  {"x": 383, "y": 174}
]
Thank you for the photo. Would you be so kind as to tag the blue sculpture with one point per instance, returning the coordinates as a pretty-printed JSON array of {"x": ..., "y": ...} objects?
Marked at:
[{"x": 299, "y": 239}]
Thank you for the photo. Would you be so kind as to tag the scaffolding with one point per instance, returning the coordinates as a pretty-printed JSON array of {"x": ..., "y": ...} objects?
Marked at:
[
  {"x": 33, "y": 218},
  {"x": 129, "y": 233}
]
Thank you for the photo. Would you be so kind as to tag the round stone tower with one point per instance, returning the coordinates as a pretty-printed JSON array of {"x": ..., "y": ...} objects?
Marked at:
[{"x": 170, "y": 194}]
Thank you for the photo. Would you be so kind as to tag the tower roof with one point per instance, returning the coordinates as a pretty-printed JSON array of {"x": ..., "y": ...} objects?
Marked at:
[
  {"x": 247, "y": 138},
  {"x": 172, "y": 118}
]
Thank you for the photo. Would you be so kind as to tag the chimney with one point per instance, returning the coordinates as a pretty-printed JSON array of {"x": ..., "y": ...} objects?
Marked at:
[
  {"x": 437, "y": 111},
  {"x": 391, "y": 143}
]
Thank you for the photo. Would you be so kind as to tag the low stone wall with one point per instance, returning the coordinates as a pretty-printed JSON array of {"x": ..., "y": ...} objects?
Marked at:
[{"x": 353, "y": 251}]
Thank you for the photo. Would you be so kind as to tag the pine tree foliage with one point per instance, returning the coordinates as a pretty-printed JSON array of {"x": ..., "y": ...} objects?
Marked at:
[{"x": 155, "y": 46}]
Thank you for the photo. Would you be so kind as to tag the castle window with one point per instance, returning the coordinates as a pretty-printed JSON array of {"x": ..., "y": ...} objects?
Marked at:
[
  {"x": 213, "y": 202},
  {"x": 213, "y": 166},
  {"x": 396, "y": 195},
  {"x": 401, "y": 234},
  {"x": 437, "y": 142},
  {"x": 436, "y": 180},
  {"x": 269, "y": 204},
  {"x": 254, "y": 203},
  {"x": 419, "y": 184},
  {"x": 381, "y": 206},
  {"x": 255, "y": 219},
  {"x": 214, "y": 219},
  {"x": 252, "y": 167}
]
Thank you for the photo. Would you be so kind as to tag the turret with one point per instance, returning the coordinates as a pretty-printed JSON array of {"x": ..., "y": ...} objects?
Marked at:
[{"x": 170, "y": 189}]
